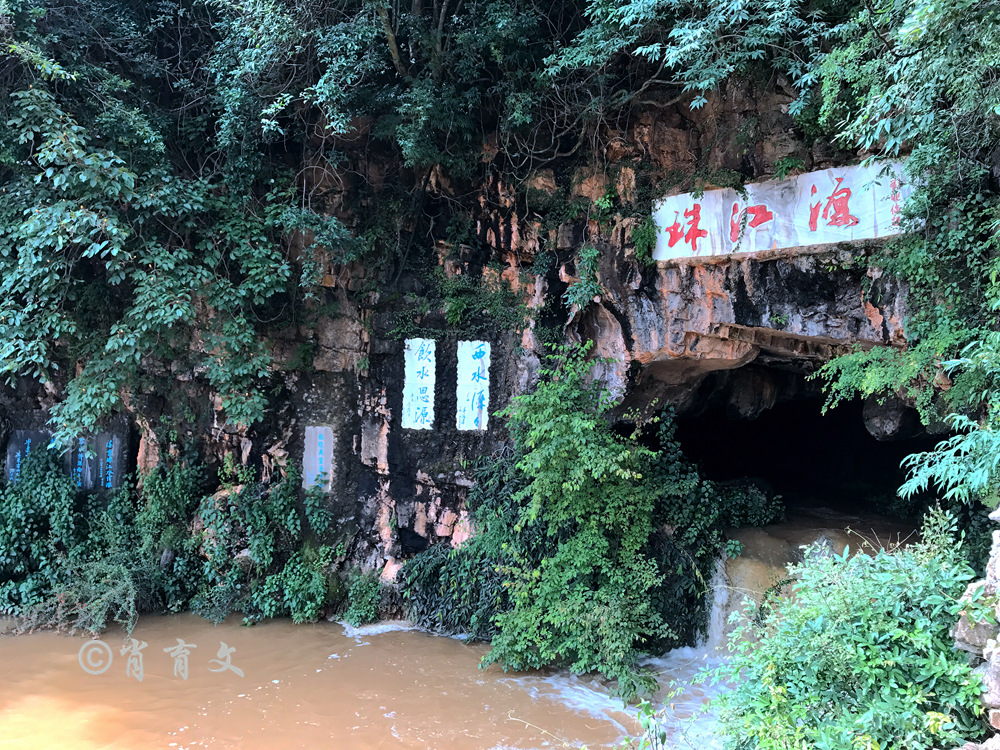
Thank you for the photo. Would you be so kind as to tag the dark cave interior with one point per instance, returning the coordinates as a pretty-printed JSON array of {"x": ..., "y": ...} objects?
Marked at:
[{"x": 808, "y": 457}]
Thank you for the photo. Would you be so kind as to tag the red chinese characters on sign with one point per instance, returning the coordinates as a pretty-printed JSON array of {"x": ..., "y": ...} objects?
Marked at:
[
  {"x": 845, "y": 204},
  {"x": 837, "y": 213},
  {"x": 758, "y": 215},
  {"x": 894, "y": 196},
  {"x": 677, "y": 232}
]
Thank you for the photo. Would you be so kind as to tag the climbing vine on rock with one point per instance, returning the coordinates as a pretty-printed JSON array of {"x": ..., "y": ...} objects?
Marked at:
[{"x": 83, "y": 561}]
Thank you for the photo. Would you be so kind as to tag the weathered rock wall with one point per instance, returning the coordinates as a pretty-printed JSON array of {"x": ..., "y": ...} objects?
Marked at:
[
  {"x": 672, "y": 324},
  {"x": 981, "y": 639},
  {"x": 676, "y": 331}
]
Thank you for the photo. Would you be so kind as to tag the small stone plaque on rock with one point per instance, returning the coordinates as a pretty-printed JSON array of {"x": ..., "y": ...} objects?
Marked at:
[
  {"x": 20, "y": 446},
  {"x": 317, "y": 458}
]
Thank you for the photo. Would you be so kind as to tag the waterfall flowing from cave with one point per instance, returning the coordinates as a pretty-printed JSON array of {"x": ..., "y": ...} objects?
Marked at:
[{"x": 719, "y": 608}]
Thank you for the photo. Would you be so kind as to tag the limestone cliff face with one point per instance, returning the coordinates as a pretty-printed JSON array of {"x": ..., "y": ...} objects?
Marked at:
[
  {"x": 671, "y": 325},
  {"x": 745, "y": 329}
]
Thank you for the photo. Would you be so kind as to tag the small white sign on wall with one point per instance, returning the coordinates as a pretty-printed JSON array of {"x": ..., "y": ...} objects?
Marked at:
[
  {"x": 473, "y": 389},
  {"x": 418, "y": 384},
  {"x": 317, "y": 458}
]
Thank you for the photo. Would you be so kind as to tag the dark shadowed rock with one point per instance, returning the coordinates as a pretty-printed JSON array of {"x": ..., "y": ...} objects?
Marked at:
[{"x": 889, "y": 418}]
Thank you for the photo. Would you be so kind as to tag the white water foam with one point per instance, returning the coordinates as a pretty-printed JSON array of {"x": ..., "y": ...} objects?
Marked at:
[
  {"x": 376, "y": 628},
  {"x": 718, "y": 610},
  {"x": 686, "y": 714},
  {"x": 579, "y": 694}
]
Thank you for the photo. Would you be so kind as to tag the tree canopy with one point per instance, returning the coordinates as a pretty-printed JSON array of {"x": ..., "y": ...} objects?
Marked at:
[{"x": 158, "y": 161}]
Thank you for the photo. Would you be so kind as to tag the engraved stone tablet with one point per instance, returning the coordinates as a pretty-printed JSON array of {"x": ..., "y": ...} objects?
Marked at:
[
  {"x": 110, "y": 449},
  {"x": 317, "y": 459},
  {"x": 20, "y": 445},
  {"x": 81, "y": 463},
  {"x": 473, "y": 389}
]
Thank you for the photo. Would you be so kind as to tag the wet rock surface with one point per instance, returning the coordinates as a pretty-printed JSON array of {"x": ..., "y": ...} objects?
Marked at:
[{"x": 982, "y": 640}]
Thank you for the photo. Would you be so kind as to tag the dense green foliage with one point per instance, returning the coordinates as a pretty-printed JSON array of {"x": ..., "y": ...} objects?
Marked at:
[
  {"x": 861, "y": 657},
  {"x": 158, "y": 161},
  {"x": 919, "y": 79},
  {"x": 149, "y": 165},
  {"x": 80, "y": 561},
  {"x": 581, "y": 293},
  {"x": 586, "y": 600},
  {"x": 591, "y": 547},
  {"x": 363, "y": 597},
  {"x": 171, "y": 174},
  {"x": 965, "y": 467},
  {"x": 119, "y": 229}
]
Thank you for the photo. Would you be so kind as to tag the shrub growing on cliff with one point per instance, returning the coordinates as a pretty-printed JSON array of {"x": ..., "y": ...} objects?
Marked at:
[
  {"x": 860, "y": 658},
  {"x": 591, "y": 547},
  {"x": 585, "y": 600},
  {"x": 363, "y": 595},
  {"x": 80, "y": 562},
  {"x": 40, "y": 525},
  {"x": 462, "y": 590}
]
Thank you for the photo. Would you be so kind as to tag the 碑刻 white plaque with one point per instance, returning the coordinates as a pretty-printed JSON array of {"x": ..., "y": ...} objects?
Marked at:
[
  {"x": 317, "y": 458},
  {"x": 835, "y": 205},
  {"x": 473, "y": 389},
  {"x": 418, "y": 384}
]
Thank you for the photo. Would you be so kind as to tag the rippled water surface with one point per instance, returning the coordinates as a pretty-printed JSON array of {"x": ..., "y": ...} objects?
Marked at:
[
  {"x": 379, "y": 687},
  {"x": 303, "y": 685}
]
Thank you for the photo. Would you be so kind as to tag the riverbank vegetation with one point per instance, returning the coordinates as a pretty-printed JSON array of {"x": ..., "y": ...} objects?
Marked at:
[
  {"x": 861, "y": 655},
  {"x": 82, "y": 561},
  {"x": 593, "y": 547}
]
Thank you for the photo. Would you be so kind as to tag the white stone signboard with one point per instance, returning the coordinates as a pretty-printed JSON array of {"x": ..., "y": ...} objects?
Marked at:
[
  {"x": 473, "y": 389},
  {"x": 834, "y": 205},
  {"x": 317, "y": 458},
  {"x": 418, "y": 384}
]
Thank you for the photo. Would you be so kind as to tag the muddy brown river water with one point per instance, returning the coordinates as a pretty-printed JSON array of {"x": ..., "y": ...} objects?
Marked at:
[
  {"x": 381, "y": 687},
  {"x": 302, "y": 686}
]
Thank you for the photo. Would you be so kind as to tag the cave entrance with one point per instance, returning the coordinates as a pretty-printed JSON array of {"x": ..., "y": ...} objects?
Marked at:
[{"x": 810, "y": 458}]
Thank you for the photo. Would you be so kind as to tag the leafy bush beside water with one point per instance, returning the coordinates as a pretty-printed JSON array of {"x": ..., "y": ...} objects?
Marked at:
[
  {"x": 860, "y": 658},
  {"x": 363, "y": 597},
  {"x": 591, "y": 548},
  {"x": 80, "y": 562}
]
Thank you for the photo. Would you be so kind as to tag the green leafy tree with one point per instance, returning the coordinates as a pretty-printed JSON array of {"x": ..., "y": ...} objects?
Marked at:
[
  {"x": 919, "y": 79},
  {"x": 122, "y": 238},
  {"x": 966, "y": 467},
  {"x": 693, "y": 47},
  {"x": 587, "y": 601},
  {"x": 591, "y": 548},
  {"x": 860, "y": 657}
]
